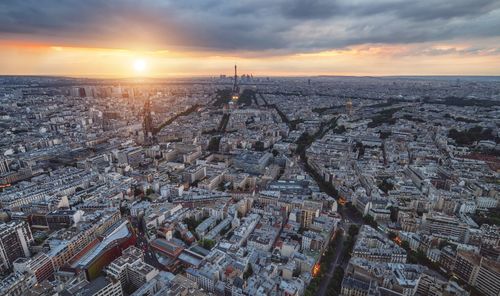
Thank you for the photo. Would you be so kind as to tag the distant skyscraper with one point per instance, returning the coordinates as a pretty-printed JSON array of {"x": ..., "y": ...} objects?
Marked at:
[
  {"x": 348, "y": 107},
  {"x": 78, "y": 92}
]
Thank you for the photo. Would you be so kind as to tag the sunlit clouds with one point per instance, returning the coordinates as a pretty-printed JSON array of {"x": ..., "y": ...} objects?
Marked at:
[
  {"x": 278, "y": 37},
  {"x": 357, "y": 60}
]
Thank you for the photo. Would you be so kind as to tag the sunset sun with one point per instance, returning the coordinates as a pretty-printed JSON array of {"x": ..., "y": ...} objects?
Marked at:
[{"x": 139, "y": 66}]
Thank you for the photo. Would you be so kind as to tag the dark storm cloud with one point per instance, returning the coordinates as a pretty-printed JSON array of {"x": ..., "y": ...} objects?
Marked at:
[
  {"x": 309, "y": 9},
  {"x": 427, "y": 9},
  {"x": 247, "y": 25}
]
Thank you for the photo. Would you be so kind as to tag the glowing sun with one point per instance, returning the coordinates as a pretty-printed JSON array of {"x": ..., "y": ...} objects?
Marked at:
[{"x": 139, "y": 66}]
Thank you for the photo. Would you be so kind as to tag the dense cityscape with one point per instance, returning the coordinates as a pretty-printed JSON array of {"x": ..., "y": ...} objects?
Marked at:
[{"x": 243, "y": 185}]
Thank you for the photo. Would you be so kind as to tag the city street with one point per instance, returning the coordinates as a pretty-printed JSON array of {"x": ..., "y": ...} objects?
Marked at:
[{"x": 325, "y": 281}]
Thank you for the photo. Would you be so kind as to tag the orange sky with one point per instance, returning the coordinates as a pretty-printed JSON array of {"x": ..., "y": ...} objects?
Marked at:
[
  {"x": 24, "y": 58},
  {"x": 167, "y": 38}
]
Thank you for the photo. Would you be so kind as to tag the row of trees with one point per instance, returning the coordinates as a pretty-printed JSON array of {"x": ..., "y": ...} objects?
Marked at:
[
  {"x": 335, "y": 285},
  {"x": 326, "y": 259},
  {"x": 462, "y": 102},
  {"x": 474, "y": 134},
  {"x": 246, "y": 97},
  {"x": 172, "y": 119},
  {"x": 222, "y": 96},
  {"x": 206, "y": 243},
  {"x": 384, "y": 116},
  {"x": 367, "y": 219}
]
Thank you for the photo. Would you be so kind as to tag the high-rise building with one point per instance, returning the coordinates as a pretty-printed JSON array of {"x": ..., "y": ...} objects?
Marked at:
[
  {"x": 80, "y": 92},
  {"x": 478, "y": 271},
  {"x": 40, "y": 266},
  {"x": 348, "y": 107},
  {"x": 487, "y": 280},
  {"x": 131, "y": 270},
  {"x": 466, "y": 266},
  {"x": 15, "y": 239}
]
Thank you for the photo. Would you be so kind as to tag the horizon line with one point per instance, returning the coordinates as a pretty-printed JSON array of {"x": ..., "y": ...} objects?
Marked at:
[{"x": 258, "y": 76}]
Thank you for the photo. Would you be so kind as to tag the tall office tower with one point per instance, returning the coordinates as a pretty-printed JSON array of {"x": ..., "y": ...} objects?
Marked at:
[
  {"x": 348, "y": 107},
  {"x": 15, "y": 238},
  {"x": 74, "y": 92},
  {"x": 89, "y": 91}
]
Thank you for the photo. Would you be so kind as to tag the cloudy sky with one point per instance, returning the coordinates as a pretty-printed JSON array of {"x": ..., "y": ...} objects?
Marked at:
[{"x": 265, "y": 37}]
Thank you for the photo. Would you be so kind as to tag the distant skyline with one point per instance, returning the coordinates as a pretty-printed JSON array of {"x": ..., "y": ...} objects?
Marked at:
[{"x": 264, "y": 37}]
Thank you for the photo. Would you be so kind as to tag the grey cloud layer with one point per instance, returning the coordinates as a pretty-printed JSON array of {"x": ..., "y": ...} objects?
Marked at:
[{"x": 248, "y": 25}]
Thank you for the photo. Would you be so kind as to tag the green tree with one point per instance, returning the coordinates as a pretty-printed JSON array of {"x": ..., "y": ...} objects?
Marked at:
[
  {"x": 370, "y": 221},
  {"x": 138, "y": 191},
  {"x": 443, "y": 244},
  {"x": 191, "y": 223},
  {"x": 385, "y": 186},
  {"x": 248, "y": 273},
  {"x": 405, "y": 245},
  {"x": 213, "y": 144},
  {"x": 336, "y": 281},
  {"x": 385, "y": 135},
  {"x": 178, "y": 235},
  {"x": 353, "y": 230},
  {"x": 259, "y": 146},
  {"x": 468, "y": 137},
  {"x": 207, "y": 243},
  {"x": 394, "y": 214}
]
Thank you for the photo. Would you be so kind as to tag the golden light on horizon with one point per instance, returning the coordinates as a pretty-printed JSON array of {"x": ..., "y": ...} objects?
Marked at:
[{"x": 23, "y": 58}]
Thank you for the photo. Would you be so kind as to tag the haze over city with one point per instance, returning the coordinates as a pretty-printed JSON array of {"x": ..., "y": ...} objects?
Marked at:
[{"x": 272, "y": 38}]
